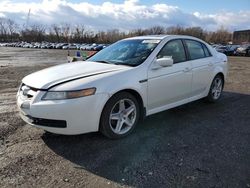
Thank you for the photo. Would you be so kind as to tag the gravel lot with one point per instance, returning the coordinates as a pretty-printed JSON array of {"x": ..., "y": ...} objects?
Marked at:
[{"x": 195, "y": 145}]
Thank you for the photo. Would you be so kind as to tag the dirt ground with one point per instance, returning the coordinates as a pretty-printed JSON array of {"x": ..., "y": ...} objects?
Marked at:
[{"x": 194, "y": 145}]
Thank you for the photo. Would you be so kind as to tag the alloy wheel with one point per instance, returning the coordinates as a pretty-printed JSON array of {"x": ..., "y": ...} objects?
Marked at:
[
  {"x": 122, "y": 116},
  {"x": 217, "y": 88}
]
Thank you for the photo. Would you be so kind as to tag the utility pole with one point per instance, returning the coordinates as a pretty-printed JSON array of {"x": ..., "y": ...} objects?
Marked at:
[{"x": 28, "y": 19}]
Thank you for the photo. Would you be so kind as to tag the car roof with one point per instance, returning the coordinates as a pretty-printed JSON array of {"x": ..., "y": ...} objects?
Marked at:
[{"x": 161, "y": 37}]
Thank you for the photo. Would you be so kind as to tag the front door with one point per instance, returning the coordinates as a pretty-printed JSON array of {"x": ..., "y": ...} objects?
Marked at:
[{"x": 168, "y": 85}]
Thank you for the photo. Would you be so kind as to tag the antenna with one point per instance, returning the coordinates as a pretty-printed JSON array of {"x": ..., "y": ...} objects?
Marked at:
[{"x": 28, "y": 19}]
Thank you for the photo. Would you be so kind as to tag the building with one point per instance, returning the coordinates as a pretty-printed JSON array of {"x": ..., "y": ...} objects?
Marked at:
[{"x": 240, "y": 37}]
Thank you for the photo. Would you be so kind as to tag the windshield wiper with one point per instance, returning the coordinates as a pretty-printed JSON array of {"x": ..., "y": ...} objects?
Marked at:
[
  {"x": 116, "y": 63},
  {"x": 103, "y": 61},
  {"x": 126, "y": 64}
]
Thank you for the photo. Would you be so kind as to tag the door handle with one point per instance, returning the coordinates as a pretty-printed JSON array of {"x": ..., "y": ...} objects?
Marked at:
[
  {"x": 186, "y": 69},
  {"x": 210, "y": 64}
]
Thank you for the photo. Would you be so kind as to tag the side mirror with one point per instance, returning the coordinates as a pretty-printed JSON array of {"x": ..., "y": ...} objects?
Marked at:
[{"x": 163, "y": 62}]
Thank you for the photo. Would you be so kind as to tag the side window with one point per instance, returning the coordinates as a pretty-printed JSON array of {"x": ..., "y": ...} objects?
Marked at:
[
  {"x": 207, "y": 53},
  {"x": 195, "y": 49},
  {"x": 174, "y": 49}
]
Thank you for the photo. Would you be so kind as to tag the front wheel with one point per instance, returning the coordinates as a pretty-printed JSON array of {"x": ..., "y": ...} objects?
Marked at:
[
  {"x": 216, "y": 89},
  {"x": 120, "y": 115}
]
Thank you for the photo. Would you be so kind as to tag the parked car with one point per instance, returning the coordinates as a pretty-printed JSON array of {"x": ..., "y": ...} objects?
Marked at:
[
  {"x": 231, "y": 50},
  {"x": 80, "y": 46},
  {"x": 60, "y": 45},
  {"x": 37, "y": 45},
  {"x": 70, "y": 47},
  {"x": 27, "y": 45},
  {"x": 100, "y": 47},
  {"x": 222, "y": 49},
  {"x": 43, "y": 45},
  {"x": 119, "y": 85},
  {"x": 18, "y": 44},
  {"x": 243, "y": 50},
  {"x": 83, "y": 47},
  {"x": 91, "y": 47},
  {"x": 2, "y": 44},
  {"x": 49, "y": 46}
]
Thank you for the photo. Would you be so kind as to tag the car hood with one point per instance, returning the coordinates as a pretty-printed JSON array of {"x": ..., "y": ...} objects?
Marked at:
[{"x": 52, "y": 76}]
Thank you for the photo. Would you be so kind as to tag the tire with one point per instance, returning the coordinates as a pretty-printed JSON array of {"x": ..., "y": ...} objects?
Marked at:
[
  {"x": 248, "y": 53},
  {"x": 216, "y": 89},
  {"x": 120, "y": 116}
]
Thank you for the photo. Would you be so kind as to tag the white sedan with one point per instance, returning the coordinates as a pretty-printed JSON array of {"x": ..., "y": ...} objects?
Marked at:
[{"x": 123, "y": 83}]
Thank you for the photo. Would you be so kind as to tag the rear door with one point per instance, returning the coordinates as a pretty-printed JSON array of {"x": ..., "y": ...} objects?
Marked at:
[{"x": 202, "y": 63}]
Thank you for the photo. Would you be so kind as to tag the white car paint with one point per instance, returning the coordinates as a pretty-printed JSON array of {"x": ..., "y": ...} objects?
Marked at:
[{"x": 160, "y": 88}]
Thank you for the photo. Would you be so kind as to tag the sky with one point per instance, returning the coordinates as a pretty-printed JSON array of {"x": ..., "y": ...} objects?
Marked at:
[{"x": 131, "y": 14}]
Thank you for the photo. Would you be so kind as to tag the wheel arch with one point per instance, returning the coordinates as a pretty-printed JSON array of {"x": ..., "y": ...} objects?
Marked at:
[
  {"x": 209, "y": 96},
  {"x": 215, "y": 73},
  {"x": 219, "y": 70},
  {"x": 136, "y": 94},
  {"x": 220, "y": 73},
  {"x": 223, "y": 78},
  {"x": 139, "y": 100}
]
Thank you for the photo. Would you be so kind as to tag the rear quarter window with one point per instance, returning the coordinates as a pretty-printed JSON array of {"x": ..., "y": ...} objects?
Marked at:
[
  {"x": 207, "y": 52},
  {"x": 195, "y": 49}
]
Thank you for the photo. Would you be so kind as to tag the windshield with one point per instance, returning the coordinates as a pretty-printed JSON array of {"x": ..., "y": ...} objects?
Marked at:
[{"x": 126, "y": 52}]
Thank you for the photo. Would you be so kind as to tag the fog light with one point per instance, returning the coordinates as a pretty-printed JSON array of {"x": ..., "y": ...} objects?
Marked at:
[{"x": 25, "y": 105}]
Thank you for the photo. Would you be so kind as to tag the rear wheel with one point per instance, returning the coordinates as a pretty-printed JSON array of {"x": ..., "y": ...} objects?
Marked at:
[
  {"x": 120, "y": 115},
  {"x": 216, "y": 89}
]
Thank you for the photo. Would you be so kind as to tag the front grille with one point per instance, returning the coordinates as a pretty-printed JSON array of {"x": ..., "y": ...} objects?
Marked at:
[{"x": 27, "y": 92}]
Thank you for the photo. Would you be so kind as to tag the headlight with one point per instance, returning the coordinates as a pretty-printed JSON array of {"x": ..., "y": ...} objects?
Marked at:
[{"x": 58, "y": 95}]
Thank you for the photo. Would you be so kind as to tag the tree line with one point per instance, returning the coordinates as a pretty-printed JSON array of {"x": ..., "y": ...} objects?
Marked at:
[{"x": 13, "y": 32}]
